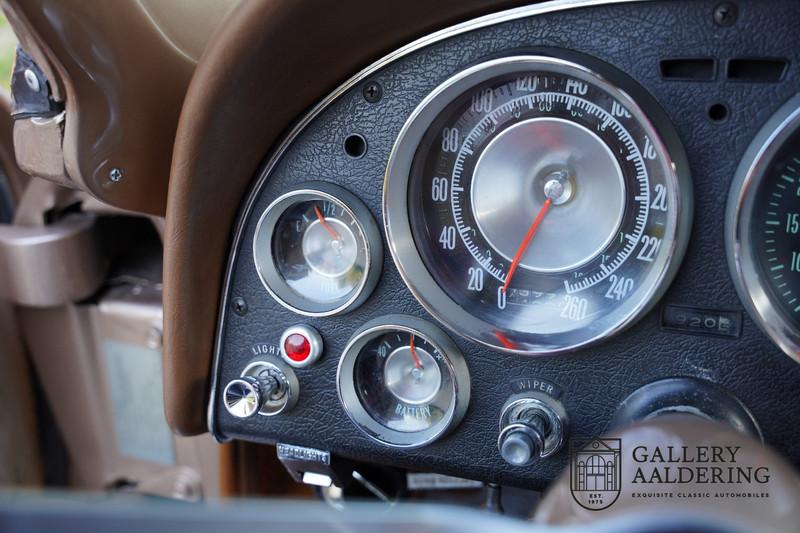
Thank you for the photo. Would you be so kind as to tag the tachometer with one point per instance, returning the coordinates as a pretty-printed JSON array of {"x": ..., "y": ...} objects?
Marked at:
[
  {"x": 763, "y": 228},
  {"x": 534, "y": 206}
]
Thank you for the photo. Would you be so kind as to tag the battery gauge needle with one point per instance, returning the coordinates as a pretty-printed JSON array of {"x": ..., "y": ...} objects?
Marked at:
[
  {"x": 325, "y": 224},
  {"x": 526, "y": 242},
  {"x": 414, "y": 356}
]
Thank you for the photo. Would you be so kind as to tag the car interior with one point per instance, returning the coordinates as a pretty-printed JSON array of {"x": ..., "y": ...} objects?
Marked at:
[{"x": 464, "y": 265}]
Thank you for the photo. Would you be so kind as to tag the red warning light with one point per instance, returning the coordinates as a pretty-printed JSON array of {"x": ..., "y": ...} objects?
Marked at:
[{"x": 297, "y": 347}]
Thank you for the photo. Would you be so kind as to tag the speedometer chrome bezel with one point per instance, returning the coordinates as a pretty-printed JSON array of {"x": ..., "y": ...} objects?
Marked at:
[
  {"x": 396, "y": 218},
  {"x": 739, "y": 217}
]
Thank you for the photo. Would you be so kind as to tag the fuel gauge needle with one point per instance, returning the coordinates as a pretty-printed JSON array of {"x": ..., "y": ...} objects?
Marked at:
[
  {"x": 526, "y": 242},
  {"x": 325, "y": 224},
  {"x": 414, "y": 356}
]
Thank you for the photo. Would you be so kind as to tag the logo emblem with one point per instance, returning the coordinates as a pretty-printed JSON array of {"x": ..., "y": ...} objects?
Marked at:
[{"x": 595, "y": 472}]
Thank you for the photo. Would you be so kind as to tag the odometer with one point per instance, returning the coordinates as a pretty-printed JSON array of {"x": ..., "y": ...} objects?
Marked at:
[
  {"x": 763, "y": 228},
  {"x": 533, "y": 206}
]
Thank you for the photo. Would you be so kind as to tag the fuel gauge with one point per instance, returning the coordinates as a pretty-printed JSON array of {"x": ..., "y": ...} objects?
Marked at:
[
  {"x": 403, "y": 381},
  {"x": 318, "y": 250}
]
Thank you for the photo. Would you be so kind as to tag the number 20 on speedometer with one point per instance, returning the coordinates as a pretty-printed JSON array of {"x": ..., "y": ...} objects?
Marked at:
[{"x": 536, "y": 206}]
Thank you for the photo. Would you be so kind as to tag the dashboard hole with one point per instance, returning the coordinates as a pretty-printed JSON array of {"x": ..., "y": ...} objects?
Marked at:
[
  {"x": 699, "y": 69},
  {"x": 759, "y": 70},
  {"x": 355, "y": 146},
  {"x": 718, "y": 112}
]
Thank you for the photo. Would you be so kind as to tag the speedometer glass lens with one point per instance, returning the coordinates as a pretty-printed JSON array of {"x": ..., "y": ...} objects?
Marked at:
[{"x": 533, "y": 206}]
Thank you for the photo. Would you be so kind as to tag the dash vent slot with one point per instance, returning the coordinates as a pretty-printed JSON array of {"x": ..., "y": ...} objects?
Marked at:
[
  {"x": 697, "y": 69},
  {"x": 766, "y": 70}
]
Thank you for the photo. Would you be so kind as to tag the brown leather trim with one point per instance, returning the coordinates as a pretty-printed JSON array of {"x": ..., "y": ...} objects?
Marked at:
[
  {"x": 227, "y": 470},
  {"x": 123, "y": 83},
  {"x": 32, "y": 44},
  {"x": 272, "y": 60}
]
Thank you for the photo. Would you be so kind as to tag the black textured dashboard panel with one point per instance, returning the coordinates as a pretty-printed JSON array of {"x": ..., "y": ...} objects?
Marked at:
[{"x": 634, "y": 38}]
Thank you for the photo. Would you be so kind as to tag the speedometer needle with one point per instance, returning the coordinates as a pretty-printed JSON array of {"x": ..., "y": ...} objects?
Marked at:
[
  {"x": 325, "y": 224},
  {"x": 414, "y": 356},
  {"x": 526, "y": 242}
]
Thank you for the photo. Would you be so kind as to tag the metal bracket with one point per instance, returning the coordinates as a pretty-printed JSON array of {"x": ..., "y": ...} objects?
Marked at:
[
  {"x": 315, "y": 467},
  {"x": 30, "y": 90}
]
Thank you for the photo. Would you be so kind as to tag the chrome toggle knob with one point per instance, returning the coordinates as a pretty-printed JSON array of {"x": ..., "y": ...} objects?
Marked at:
[
  {"x": 523, "y": 441},
  {"x": 266, "y": 388},
  {"x": 244, "y": 396},
  {"x": 530, "y": 428}
]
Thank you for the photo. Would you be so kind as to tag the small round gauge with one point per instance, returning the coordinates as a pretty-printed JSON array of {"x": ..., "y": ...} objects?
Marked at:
[
  {"x": 403, "y": 382},
  {"x": 763, "y": 228},
  {"x": 318, "y": 250},
  {"x": 534, "y": 206}
]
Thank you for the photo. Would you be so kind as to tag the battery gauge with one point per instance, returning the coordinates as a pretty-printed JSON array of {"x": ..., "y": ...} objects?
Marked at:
[{"x": 403, "y": 382}]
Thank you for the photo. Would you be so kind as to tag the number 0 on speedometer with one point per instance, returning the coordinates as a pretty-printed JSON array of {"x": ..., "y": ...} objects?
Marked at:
[{"x": 534, "y": 206}]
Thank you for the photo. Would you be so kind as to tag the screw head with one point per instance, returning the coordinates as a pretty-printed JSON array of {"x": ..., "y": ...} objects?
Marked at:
[
  {"x": 372, "y": 92},
  {"x": 725, "y": 14},
  {"x": 239, "y": 306},
  {"x": 32, "y": 80},
  {"x": 115, "y": 175}
]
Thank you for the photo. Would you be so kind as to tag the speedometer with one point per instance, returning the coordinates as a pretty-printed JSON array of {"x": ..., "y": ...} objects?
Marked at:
[{"x": 534, "y": 206}]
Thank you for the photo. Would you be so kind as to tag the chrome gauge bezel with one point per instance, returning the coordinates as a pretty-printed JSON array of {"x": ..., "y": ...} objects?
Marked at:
[
  {"x": 358, "y": 414},
  {"x": 274, "y": 282},
  {"x": 739, "y": 217},
  {"x": 396, "y": 203}
]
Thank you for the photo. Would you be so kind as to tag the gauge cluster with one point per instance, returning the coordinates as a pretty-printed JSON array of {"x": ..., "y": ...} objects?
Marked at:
[{"x": 534, "y": 228}]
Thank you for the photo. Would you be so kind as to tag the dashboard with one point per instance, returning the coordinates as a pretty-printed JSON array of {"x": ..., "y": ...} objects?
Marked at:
[{"x": 499, "y": 238}]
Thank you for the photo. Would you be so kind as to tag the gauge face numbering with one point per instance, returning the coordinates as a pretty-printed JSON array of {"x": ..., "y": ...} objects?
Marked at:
[
  {"x": 544, "y": 209},
  {"x": 763, "y": 228},
  {"x": 403, "y": 382},
  {"x": 776, "y": 231},
  {"x": 318, "y": 250}
]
